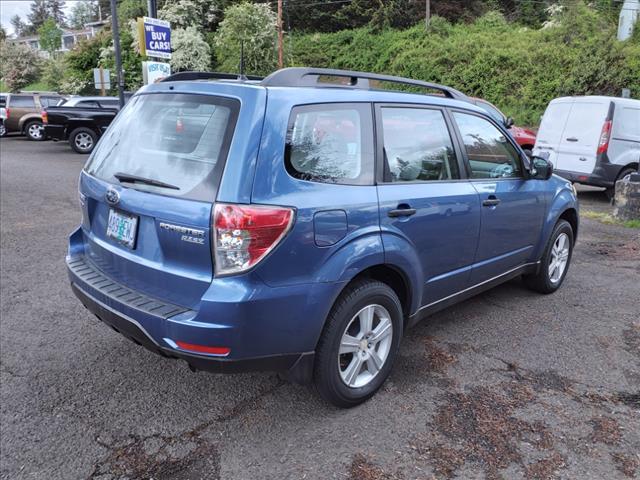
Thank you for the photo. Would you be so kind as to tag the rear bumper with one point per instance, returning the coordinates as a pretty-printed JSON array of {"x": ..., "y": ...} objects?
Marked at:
[
  {"x": 132, "y": 330},
  {"x": 279, "y": 335},
  {"x": 604, "y": 175},
  {"x": 55, "y": 132}
]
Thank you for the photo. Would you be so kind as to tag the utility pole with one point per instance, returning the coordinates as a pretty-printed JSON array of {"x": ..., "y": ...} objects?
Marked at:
[
  {"x": 152, "y": 7},
  {"x": 116, "y": 47},
  {"x": 280, "y": 38},
  {"x": 427, "y": 13}
]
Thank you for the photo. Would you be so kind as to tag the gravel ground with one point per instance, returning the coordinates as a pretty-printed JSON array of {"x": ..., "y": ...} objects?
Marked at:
[{"x": 509, "y": 384}]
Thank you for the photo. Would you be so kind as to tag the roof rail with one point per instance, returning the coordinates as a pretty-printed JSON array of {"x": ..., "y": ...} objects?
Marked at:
[
  {"x": 183, "y": 76},
  {"x": 309, "y": 77}
]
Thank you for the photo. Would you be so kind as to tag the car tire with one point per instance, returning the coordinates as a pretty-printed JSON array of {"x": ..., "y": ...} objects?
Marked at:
[
  {"x": 365, "y": 324},
  {"x": 83, "y": 140},
  {"x": 611, "y": 191},
  {"x": 559, "y": 249},
  {"x": 3, "y": 130},
  {"x": 31, "y": 130}
]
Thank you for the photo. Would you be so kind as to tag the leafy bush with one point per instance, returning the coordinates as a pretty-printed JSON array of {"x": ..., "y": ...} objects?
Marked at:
[
  {"x": 191, "y": 51},
  {"x": 19, "y": 65},
  {"x": 519, "y": 69},
  {"x": 254, "y": 25}
]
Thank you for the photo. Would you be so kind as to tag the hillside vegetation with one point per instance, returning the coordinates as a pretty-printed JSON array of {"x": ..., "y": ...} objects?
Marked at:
[{"x": 518, "y": 68}]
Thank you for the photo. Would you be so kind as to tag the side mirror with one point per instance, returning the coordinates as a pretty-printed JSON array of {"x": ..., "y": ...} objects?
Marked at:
[
  {"x": 508, "y": 123},
  {"x": 541, "y": 168}
]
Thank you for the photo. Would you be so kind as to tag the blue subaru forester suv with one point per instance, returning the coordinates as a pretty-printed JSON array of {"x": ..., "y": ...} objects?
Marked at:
[{"x": 302, "y": 222}]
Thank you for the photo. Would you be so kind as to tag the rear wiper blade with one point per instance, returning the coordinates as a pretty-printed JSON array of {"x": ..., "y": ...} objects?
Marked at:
[{"x": 127, "y": 177}]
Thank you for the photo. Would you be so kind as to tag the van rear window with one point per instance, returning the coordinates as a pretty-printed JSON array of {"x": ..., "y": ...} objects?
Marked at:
[{"x": 179, "y": 140}]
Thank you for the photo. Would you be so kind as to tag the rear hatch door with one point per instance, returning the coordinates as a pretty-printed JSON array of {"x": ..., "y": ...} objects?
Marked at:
[
  {"x": 579, "y": 142},
  {"x": 551, "y": 129},
  {"x": 148, "y": 190}
]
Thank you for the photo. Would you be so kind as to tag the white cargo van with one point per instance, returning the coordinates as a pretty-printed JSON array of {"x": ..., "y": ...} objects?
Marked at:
[{"x": 591, "y": 140}]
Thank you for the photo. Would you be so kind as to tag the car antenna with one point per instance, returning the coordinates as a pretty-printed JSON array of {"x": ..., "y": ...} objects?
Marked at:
[{"x": 242, "y": 75}]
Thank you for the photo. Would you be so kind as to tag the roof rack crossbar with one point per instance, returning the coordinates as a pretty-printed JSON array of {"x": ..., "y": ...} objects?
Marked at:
[
  {"x": 184, "y": 76},
  {"x": 309, "y": 77}
]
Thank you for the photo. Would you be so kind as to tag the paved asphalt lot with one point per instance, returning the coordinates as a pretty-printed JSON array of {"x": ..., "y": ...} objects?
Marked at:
[{"x": 509, "y": 384}]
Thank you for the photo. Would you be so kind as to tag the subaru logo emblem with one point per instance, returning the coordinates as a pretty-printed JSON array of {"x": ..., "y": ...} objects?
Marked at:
[{"x": 112, "y": 196}]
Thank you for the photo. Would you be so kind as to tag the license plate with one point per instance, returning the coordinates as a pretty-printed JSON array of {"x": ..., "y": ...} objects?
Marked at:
[{"x": 122, "y": 228}]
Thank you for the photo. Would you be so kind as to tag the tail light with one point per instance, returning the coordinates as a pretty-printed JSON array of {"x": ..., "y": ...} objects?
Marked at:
[
  {"x": 605, "y": 136},
  {"x": 7, "y": 110},
  {"x": 244, "y": 235},
  {"x": 45, "y": 117}
]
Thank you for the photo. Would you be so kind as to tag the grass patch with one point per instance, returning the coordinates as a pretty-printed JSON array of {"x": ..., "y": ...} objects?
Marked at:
[{"x": 610, "y": 219}]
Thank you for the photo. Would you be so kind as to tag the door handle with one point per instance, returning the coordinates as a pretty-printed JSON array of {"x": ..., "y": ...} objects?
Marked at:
[
  {"x": 572, "y": 139},
  {"x": 492, "y": 201},
  {"x": 401, "y": 212}
]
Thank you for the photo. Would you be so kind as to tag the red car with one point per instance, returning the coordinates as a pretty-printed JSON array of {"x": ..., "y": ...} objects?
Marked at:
[{"x": 525, "y": 138}]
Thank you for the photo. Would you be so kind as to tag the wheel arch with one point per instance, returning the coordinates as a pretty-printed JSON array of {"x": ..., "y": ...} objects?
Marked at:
[{"x": 24, "y": 121}]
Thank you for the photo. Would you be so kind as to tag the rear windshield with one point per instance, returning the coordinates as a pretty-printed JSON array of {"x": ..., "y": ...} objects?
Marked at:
[{"x": 180, "y": 140}]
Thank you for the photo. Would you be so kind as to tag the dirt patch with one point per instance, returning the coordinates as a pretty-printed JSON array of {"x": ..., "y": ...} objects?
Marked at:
[
  {"x": 544, "y": 469},
  {"x": 483, "y": 424},
  {"x": 362, "y": 468},
  {"x": 605, "y": 430},
  {"x": 438, "y": 359},
  {"x": 622, "y": 251},
  {"x": 626, "y": 464},
  {"x": 631, "y": 339},
  {"x": 162, "y": 459}
]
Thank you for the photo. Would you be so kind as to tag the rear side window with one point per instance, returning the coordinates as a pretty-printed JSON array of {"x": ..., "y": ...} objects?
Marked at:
[
  {"x": 180, "y": 140},
  {"x": 489, "y": 151},
  {"x": 88, "y": 104},
  {"x": 417, "y": 145},
  {"x": 109, "y": 103},
  {"x": 22, "y": 102},
  {"x": 331, "y": 143},
  {"x": 627, "y": 123},
  {"x": 49, "y": 101}
]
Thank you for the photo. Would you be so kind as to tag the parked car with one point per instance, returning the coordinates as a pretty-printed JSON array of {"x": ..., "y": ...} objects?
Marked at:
[
  {"x": 288, "y": 224},
  {"x": 23, "y": 112},
  {"x": 80, "y": 120},
  {"x": 526, "y": 138},
  {"x": 3, "y": 113},
  {"x": 592, "y": 140}
]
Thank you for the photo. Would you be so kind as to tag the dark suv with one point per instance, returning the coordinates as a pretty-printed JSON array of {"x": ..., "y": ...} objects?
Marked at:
[
  {"x": 24, "y": 112},
  {"x": 303, "y": 222}
]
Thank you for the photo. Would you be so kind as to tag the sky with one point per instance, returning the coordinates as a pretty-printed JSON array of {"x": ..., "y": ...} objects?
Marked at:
[{"x": 8, "y": 8}]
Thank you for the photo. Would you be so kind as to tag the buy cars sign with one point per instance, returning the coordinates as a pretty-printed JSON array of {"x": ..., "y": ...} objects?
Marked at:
[{"x": 154, "y": 37}]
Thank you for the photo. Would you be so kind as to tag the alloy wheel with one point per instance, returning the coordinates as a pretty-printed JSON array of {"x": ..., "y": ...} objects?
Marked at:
[
  {"x": 35, "y": 131},
  {"x": 365, "y": 346},
  {"x": 83, "y": 141},
  {"x": 559, "y": 257}
]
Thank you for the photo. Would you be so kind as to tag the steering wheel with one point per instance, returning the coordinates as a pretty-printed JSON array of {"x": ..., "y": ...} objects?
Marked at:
[{"x": 502, "y": 170}]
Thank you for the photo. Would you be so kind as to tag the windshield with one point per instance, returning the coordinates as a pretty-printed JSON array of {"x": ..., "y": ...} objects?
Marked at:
[
  {"x": 175, "y": 139},
  {"x": 491, "y": 110}
]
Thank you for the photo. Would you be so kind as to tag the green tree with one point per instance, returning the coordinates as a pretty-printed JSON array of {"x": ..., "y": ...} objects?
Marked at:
[
  {"x": 19, "y": 27},
  {"x": 20, "y": 65},
  {"x": 253, "y": 25},
  {"x": 39, "y": 14},
  {"x": 190, "y": 50},
  {"x": 55, "y": 9},
  {"x": 3, "y": 33},
  {"x": 83, "y": 13},
  {"x": 50, "y": 36},
  {"x": 203, "y": 14}
]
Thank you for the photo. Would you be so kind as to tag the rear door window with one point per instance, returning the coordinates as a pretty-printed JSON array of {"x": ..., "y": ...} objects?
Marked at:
[
  {"x": 417, "y": 145},
  {"x": 331, "y": 143},
  {"x": 178, "y": 139},
  {"x": 22, "y": 101}
]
